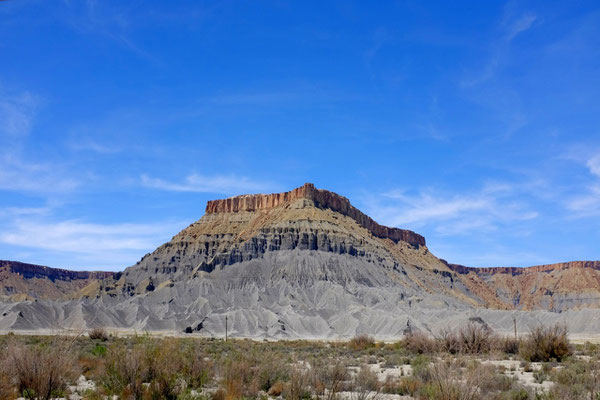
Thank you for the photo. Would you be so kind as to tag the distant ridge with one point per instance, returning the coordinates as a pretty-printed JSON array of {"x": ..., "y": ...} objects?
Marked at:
[
  {"x": 461, "y": 269},
  {"x": 29, "y": 271},
  {"x": 22, "y": 281}
]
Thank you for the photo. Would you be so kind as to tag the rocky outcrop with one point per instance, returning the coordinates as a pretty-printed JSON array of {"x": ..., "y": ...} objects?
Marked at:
[
  {"x": 556, "y": 287},
  {"x": 29, "y": 281},
  {"x": 461, "y": 269},
  {"x": 321, "y": 198},
  {"x": 29, "y": 271}
]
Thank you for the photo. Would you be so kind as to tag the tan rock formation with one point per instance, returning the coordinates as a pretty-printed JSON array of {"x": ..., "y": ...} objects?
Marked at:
[
  {"x": 321, "y": 198},
  {"x": 37, "y": 281}
]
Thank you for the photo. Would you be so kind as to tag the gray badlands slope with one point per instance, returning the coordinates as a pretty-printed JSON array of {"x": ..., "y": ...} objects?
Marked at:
[{"x": 300, "y": 264}]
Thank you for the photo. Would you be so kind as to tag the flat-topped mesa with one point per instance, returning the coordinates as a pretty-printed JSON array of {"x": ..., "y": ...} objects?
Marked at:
[
  {"x": 29, "y": 271},
  {"x": 321, "y": 198},
  {"x": 461, "y": 269}
]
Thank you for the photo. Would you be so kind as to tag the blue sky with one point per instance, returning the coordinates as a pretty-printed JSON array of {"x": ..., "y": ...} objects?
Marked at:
[{"x": 476, "y": 124}]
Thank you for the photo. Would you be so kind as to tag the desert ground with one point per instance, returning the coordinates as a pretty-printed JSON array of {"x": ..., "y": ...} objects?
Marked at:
[{"x": 467, "y": 363}]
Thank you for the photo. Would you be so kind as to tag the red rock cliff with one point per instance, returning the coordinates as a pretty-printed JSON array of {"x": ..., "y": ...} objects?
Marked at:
[{"x": 321, "y": 198}]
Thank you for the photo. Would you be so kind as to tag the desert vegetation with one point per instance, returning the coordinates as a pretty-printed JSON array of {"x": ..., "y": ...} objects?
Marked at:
[{"x": 468, "y": 363}]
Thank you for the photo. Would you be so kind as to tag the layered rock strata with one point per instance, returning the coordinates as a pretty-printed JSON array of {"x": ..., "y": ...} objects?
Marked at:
[
  {"x": 556, "y": 287},
  {"x": 320, "y": 198}
]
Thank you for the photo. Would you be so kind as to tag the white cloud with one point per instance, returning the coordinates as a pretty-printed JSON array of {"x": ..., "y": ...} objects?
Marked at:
[
  {"x": 594, "y": 165},
  {"x": 108, "y": 245},
  {"x": 16, "y": 113},
  {"x": 587, "y": 204},
  {"x": 208, "y": 184},
  {"x": 520, "y": 25},
  {"x": 34, "y": 177},
  {"x": 78, "y": 237},
  {"x": 463, "y": 213}
]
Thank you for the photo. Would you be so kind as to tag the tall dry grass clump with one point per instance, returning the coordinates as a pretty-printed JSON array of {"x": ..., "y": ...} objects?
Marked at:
[
  {"x": 161, "y": 369},
  {"x": 297, "y": 386},
  {"x": 7, "y": 390},
  {"x": 98, "y": 334},
  {"x": 447, "y": 381},
  {"x": 420, "y": 343},
  {"x": 42, "y": 371},
  {"x": 546, "y": 344},
  {"x": 246, "y": 374},
  {"x": 475, "y": 339},
  {"x": 361, "y": 342},
  {"x": 124, "y": 371}
]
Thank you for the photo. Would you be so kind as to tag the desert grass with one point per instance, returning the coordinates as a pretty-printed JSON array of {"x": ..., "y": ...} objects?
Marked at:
[
  {"x": 450, "y": 365},
  {"x": 40, "y": 371}
]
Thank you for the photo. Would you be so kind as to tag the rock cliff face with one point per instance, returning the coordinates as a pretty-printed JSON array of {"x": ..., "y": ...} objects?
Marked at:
[
  {"x": 29, "y": 281},
  {"x": 320, "y": 198},
  {"x": 556, "y": 287}
]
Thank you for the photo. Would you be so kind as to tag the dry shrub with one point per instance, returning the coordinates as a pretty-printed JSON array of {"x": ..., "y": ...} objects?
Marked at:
[
  {"x": 42, "y": 371},
  {"x": 98, "y": 334},
  {"x": 475, "y": 339},
  {"x": 510, "y": 345},
  {"x": 276, "y": 389},
  {"x": 7, "y": 390},
  {"x": 420, "y": 343},
  {"x": 125, "y": 371},
  {"x": 336, "y": 375},
  {"x": 270, "y": 368},
  {"x": 248, "y": 373},
  {"x": 546, "y": 343},
  {"x": 365, "y": 384},
  {"x": 577, "y": 380},
  {"x": 297, "y": 386},
  {"x": 406, "y": 385},
  {"x": 165, "y": 363},
  {"x": 450, "y": 341},
  {"x": 196, "y": 369},
  {"x": 361, "y": 342},
  {"x": 447, "y": 381},
  {"x": 236, "y": 381},
  {"x": 218, "y": 395},
  {"x": 327, "y": 379}
]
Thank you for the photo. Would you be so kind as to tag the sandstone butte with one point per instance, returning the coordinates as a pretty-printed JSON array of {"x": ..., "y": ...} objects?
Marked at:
[
  {"x": 321, "y": 198},
  {"x": 556, "y": 287}
]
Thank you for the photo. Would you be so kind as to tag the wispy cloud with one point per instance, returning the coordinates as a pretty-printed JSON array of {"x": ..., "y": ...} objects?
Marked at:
[
  {"x": 209, "y": 184},
  {"x": 519, "y": 25},
  {"x": 587, "y": 202},
  {"x": 16, "y": 175},
  {"x": 450, "y": 213},
  {"x": 88, "y": 144},
  {"x": 499, "y": 51},
  {"x": 16, "y": 113},
  {"x": 92, "y": 243}
]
